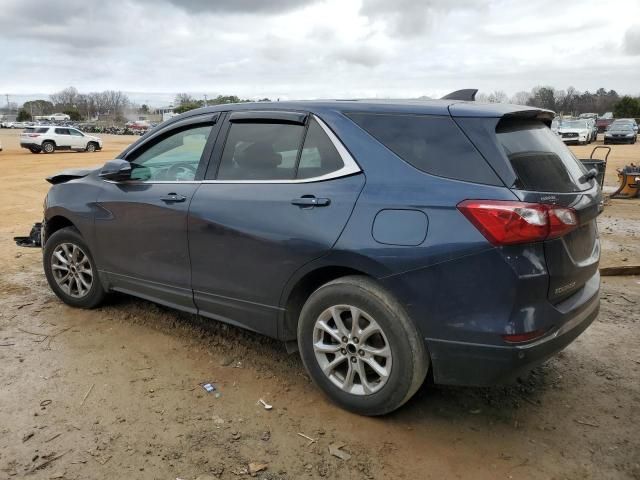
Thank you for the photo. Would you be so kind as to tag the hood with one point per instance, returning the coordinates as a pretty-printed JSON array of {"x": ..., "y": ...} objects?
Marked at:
[{"x": 70, "y": 174}]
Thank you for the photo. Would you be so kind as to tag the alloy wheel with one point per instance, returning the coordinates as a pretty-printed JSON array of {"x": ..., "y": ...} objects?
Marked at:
[
  {"x": 72, "y": 270},
  {"x": 352, "y": 350}
]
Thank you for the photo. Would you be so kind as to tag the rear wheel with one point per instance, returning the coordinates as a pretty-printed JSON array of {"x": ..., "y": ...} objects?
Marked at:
[
  {"x": 70, "y": 269},
  {"x": 34, "y": 150},
  {"x": 91, "y": 147},
  {"x": 48, "y": 147},
  {"x": 360, "y": 347}
]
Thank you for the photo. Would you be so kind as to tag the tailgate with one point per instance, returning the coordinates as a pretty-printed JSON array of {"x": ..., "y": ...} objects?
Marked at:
[{"x": 536, "y": 165}]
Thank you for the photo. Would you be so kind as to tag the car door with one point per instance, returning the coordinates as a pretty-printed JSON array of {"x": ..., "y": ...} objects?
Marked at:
[
  {"x": 62, "y": 138},
  {"x": 77, "y": 139},
  {"x": 277, "y": 194},
  {"x": 141, "y": 232}
]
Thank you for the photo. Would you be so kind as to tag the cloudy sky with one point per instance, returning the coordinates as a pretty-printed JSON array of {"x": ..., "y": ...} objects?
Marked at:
[{"x": 317, "y": 48}]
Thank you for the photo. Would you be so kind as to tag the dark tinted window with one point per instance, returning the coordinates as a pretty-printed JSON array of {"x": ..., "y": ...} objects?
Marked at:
[
  {"x": 261, "y": 151},
  {"x": 319, "y": 156},
  {"x": 62, "y": 131},
  {"x": 430, "y": 143},
  {"x": 540, "y": 160}
]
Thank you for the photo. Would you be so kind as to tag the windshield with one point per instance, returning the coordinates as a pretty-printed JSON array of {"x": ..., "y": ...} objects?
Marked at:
[
  {"x": 622, "y": 126},
  {"x": 574, "y": 124}
]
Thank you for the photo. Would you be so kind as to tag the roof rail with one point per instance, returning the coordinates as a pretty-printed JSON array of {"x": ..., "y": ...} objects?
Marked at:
[{"x": 466, "y": 94}]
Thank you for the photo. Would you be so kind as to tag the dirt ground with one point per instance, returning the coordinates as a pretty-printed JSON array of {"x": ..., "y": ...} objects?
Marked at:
[{"x": 115, "y": 392}]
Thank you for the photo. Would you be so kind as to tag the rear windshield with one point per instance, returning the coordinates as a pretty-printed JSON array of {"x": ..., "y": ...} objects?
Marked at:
[
  {"x": 431, "y": 143},
  {"x": 539, "y": 158}
]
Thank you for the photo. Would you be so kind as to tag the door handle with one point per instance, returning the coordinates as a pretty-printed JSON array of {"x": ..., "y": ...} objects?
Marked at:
[
  {"x": 173, "y": 198},
  {"x": 309, "y": 201}
]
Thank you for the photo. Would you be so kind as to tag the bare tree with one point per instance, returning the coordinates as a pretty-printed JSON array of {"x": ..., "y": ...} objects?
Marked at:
[
  {"x": 64, "y": 98},
  {"x": 498, "y": 96},
  {"x": 521, "y": 98}
]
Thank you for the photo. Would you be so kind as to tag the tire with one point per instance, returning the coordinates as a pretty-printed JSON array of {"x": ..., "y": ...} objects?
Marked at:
[
  {"x": 48, "y": 147},
  {"x": 91, "y": 147},
  {"x": 401, "y": 367},
  {"x": 84, "y": 291},
  {"x": 34, "y": 150}
]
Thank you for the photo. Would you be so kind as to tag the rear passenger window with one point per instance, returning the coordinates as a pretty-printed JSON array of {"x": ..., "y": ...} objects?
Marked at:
[
  {"x": 62, "y": 131},
  {"x": 433, "y": 144},
  {"x": 261, "y": 151},
  {"x": 319, "y": 156}
]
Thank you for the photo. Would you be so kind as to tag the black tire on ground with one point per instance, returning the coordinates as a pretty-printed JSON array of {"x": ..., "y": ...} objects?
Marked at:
[
  {"x": 91, "y": 147},
  {"x": 71, "y": 236},
  {"x": 409, "y": 357},
  {"x": 48, "y": 147},
  {"x": 34, "y": 150}
]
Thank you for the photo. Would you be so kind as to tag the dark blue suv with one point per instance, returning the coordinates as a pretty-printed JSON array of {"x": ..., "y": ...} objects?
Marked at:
[{"x": 383, "y": 240}]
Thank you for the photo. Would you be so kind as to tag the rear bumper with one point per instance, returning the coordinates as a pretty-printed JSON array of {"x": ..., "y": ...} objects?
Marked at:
[
  {"x": 30, "y": 145},
  {"x": 472, "y": 364}
]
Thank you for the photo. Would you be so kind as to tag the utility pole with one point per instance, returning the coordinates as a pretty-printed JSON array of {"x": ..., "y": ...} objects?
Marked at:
[{"x": 205, "y": 100}]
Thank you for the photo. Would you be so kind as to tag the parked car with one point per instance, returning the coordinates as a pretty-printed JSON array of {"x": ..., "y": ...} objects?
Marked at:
[
  {"x": 575, "y": 131},
  {"x": 592, "y": 119},
  {"x": 629, "y": 121},
  {"x": 58, "y": 117},
  {"x": 620, "y": 132},
  {"x": 604, "y": 121},
  {"x": 48, "y": 139},
  {"x": 381, "y": 239}
]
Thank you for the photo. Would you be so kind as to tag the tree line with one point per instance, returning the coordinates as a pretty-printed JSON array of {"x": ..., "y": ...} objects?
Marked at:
[
  {"x": 112, "y": 103},
  {"x": 185, "y": 102},
  {"x": 78, "y": 105},
  {"x": 570, "y": 101}
]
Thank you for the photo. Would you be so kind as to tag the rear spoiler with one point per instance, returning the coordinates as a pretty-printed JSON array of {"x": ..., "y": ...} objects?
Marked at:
[{"x": 465, "y": 95}]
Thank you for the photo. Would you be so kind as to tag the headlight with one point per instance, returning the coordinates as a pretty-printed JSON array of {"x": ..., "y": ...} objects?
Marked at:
[{"x": 629, "y": 134}]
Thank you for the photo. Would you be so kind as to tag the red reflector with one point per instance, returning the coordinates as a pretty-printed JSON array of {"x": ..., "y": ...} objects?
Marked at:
[
  {"x": 33, "y": 135},
  {"x": 523, "y": 337},
  {"x": 507, "y": 223}
]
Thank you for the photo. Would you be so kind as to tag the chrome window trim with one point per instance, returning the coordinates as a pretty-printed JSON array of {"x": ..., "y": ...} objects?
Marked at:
[{"x": 350, "y": 167}]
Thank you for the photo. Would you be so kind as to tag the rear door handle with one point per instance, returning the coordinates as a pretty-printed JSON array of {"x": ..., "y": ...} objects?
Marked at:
[
  {"x": 310, "y": 202},
  {"x": 173, "y": 198}
]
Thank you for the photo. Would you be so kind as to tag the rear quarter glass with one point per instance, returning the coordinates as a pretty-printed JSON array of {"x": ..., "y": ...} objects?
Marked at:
[
  {"x": 431, "y": 143},
  {"x": 540, "y": 160}
]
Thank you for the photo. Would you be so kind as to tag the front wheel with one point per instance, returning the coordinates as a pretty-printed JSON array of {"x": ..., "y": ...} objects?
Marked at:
[
  {"x": 48, "y": 147},
  {"x": 70, "y": 269},
  {"x": 360, "y": 347},
  {"x": 91, "y": 147}
]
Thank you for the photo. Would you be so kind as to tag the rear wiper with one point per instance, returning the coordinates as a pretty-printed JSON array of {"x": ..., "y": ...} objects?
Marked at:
[{"x": 593, "y": 173}]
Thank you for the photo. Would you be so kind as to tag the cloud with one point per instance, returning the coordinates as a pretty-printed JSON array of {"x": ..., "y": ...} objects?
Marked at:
[
  {"x": 316, "y": 48},
  {"x": 631, "y": 42},
  {"x": 358, "y": 55},
  {"x": 271, "y": 7},
  {"x": 409, "y": 18}
]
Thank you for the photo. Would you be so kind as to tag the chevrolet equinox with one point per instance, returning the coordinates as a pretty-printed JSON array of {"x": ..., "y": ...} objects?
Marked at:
[{"x": 383, "y": 240}]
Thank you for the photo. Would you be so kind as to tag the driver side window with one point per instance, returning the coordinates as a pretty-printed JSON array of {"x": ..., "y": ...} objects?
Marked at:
[{"x": 174, "y": 158}]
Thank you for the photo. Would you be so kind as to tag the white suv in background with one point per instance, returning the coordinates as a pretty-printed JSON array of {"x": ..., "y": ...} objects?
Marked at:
[{"x": 49, "y": 139}]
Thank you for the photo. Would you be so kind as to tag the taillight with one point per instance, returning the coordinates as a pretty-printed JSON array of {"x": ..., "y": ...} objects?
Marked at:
[
  {"x": 508, "y": 223},
  {"x": 33, "y": 135}
]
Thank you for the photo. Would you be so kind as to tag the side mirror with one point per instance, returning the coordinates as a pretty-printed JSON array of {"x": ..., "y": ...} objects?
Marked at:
[{"x": 116, "y": 170}]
